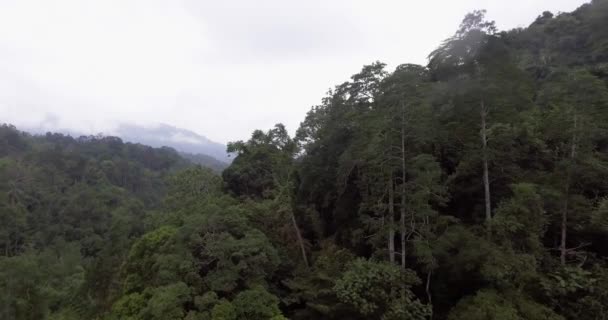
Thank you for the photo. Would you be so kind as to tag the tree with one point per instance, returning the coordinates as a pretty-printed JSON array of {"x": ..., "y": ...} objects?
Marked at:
[
  {"x": 380, "y": 291},
  {"x": 257, "y": 304},
  {"x": 461, "y": 54},
  {"x": 574, "y": 125},
  {"x": 270, "y": 155},
  {"x": 491, "y": 305}
]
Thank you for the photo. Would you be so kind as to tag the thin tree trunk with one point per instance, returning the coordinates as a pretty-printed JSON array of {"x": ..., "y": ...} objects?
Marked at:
[
  {"x": 486, "y": 174},
  {"x": 402, "y": 209},
  {"x": 564, "y": 226},
  {"x": 391, "y": 220},
  {"x": 403, "y": 230},
  {"x": 299, "y": 236},
  {"x": 383, "y": 220},
  {"x": 428, "y": 287},
  {"x": 562, "y": 247}
]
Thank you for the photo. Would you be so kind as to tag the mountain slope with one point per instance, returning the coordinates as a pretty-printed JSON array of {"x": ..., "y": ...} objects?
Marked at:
[
  {"x": 182, "y": 140},
  {"x": 205, "y": 161}
]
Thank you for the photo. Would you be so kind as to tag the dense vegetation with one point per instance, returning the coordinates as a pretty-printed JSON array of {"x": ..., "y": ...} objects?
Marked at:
[
  {"x": 472, "y": 188},
  {"x": 205, "y": 161}
]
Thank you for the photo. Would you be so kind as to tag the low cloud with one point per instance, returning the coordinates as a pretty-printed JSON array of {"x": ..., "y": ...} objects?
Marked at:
[{"x": 221, "y": 68}]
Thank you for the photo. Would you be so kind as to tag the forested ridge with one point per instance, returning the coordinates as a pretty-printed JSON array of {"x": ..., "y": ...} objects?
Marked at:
[{"x": 473, "y": 188}]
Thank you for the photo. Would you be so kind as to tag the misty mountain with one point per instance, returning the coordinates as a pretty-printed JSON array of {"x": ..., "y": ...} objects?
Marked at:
[
  {"x": 190, "y": 145},
  {"x": 182, "y": 140},
  {"x": 205, "y": 161}
]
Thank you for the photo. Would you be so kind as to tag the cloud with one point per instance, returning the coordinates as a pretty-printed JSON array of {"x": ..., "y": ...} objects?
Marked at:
[
  {"x": 221, "y": 68},
  {"x": 279, "y": 29}
]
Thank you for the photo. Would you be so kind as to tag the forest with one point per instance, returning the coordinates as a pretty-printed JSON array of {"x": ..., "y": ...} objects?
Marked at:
[{"x": 472, "y": 188}]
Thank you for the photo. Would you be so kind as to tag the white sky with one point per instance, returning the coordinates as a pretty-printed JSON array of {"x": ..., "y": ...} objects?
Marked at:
[{"x": 220, "y": 68}]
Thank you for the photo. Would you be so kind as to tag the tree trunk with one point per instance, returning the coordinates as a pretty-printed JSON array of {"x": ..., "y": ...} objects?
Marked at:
[
  {"x": 403, "y": 190},
  {"x": 564, "y": 226},
  {"x": 428, "y": 287},
  {"x": 299, "y": 236},
  {"x": 562, "y": 247},
  {"x": 403, "y": 231},
  {"x": 486, "y": 174},
  {"x": 391, "y": 220}
]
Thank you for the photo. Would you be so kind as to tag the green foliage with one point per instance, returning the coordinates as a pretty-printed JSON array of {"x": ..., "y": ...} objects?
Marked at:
[
  {"x": 520, "y": 222},
  {"x": 22, "y": 298},
  {"x": 210, "y": 250},
  {"x": 599, "y": 217},
  {"x": 223, "y": 311},
  {"x": 256, "y": 304},
  {"x": 489, "y": 304},
  {"x": 228, "y": 251},
  {"x": 129, "y": 306},
  {"x": 314, "y": 287},
  {"x": 577, "y": 293},
  {"x": 167, "y": 302},
  {"x": 142, "y": 267},
  {"x": 191, "y": 185},
  {"x": 380, "y": 290},
  {"x": 261, "y": 162}
]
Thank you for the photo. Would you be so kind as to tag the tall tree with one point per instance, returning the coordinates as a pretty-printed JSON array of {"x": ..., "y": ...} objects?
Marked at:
[
  {"x": 575, "y": 126},
  {"x": 460, "y": 54}
]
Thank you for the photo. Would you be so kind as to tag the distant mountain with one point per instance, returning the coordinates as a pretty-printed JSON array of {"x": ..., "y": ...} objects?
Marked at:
[
  {"x": 182, "y": 140},
  {"x": 205, "y": 161},
  {"x": 190, "y": 145}
]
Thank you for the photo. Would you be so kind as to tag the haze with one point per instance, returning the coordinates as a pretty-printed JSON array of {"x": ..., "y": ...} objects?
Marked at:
[{"x": 221, "y": 68}]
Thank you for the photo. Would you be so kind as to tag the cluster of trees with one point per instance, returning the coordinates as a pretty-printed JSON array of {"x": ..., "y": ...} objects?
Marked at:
[
  {"x": 475, "y": 187},
  {"x": 69, "y": 211}
]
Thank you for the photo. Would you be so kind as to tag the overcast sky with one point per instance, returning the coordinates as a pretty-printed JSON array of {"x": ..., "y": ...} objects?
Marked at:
[{"x": 220, "y": 68}]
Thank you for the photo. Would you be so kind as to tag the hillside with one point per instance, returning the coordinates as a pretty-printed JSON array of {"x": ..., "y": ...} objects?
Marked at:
[
  {"x": 205, "y": 161},
  {"x": 196, "y": 148},
  {"x": 180, "y": 139}
]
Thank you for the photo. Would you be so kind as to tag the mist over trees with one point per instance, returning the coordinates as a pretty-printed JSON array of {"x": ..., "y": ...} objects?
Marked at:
[{"x": 475, "y": 188}]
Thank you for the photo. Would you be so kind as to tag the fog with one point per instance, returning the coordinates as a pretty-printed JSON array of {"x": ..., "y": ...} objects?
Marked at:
[{"x": 221, "y": 68}]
